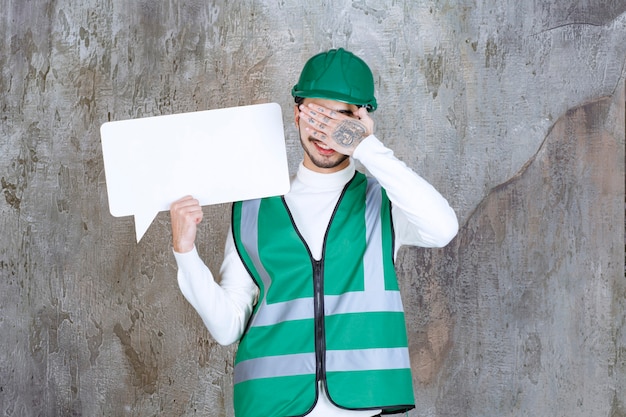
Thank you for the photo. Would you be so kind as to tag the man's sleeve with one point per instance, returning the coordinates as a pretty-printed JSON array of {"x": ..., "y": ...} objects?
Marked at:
[
  {"x": 422, "y": 216},
  {"x": 224, "y": 308}
]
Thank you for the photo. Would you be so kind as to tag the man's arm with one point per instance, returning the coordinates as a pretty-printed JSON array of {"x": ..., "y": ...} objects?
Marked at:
[
  {"x": 224, "y": 308},
  {"x": 422, "y": 216}
]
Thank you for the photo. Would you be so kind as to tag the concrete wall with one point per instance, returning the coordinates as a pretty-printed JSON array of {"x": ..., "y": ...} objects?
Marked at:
[{"x": 514, "y": 110}]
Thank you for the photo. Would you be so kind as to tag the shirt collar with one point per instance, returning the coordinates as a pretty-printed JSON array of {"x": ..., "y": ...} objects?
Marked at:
[{"x": 325, "y": 181}]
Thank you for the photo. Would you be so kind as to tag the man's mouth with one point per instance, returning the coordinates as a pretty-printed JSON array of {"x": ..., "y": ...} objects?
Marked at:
[{"x": 321, "y": 147}]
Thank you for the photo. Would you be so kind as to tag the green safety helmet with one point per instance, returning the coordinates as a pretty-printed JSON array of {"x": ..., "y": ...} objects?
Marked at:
[{"x": 337, "y": 75}]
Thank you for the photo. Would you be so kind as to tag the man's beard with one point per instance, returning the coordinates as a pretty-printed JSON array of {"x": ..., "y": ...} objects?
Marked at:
[{"x": 320, "y": 161}]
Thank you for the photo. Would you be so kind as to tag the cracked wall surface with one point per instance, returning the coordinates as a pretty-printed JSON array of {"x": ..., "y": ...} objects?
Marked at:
[{"x": 515, "y": 111}]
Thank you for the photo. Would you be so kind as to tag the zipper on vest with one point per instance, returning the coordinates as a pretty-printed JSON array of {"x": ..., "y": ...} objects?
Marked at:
[
  {"x": 318, "y": 311},
  {"x": 318, "y": 292},
  {"x": 318, "y": 302}
]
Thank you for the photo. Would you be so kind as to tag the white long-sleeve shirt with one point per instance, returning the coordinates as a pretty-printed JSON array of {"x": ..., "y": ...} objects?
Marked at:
[{"x": 421, "y": 217}]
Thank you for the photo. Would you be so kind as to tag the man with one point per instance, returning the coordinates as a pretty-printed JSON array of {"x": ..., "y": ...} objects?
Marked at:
[{"x": 308, "y": 286}]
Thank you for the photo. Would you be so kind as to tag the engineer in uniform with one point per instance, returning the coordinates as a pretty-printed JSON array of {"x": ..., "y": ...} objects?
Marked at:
[{"x": 307, "y": 286}]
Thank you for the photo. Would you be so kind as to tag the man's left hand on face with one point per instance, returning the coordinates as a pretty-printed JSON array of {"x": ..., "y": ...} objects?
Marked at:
[{"x": 341, "y": 132}]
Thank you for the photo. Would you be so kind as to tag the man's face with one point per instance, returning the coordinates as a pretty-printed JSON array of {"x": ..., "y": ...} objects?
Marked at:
[{"x": 317, "y": 156}]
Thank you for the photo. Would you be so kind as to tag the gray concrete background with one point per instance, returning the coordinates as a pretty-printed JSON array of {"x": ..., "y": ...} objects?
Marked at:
[{"x": 514, "y": 110}]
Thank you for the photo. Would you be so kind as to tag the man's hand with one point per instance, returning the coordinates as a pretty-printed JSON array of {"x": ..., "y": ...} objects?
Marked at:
[
  {"x": 341, "y": 132},
  {"x": 185, "y": 213}
]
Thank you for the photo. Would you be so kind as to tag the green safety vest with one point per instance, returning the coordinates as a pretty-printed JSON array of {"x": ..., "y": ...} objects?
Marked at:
[{"x": 338, "y": 320}]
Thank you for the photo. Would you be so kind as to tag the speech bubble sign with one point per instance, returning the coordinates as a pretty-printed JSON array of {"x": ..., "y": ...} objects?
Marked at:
[{"x": 217, "y": 156}]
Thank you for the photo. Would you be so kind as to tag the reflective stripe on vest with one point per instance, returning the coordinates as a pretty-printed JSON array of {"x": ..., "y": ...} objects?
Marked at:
[
  {"x": 365, "y": 359},
  {"x": 372, "y": 298},
  {"x": 336, "y": 361}
]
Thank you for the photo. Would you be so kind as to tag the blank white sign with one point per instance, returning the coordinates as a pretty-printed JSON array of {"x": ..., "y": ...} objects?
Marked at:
[{"x": 217, "y": 156}]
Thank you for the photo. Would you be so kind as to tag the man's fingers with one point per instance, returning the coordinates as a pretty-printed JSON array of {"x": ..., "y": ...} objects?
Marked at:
[
  {"x": 185, "y": 202},
  {"x": 185, "y": 213},
  {"x": 187, "y": 207},
  {"x": 316, "y": 134},
  {"x": 319, "y": 115}
]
